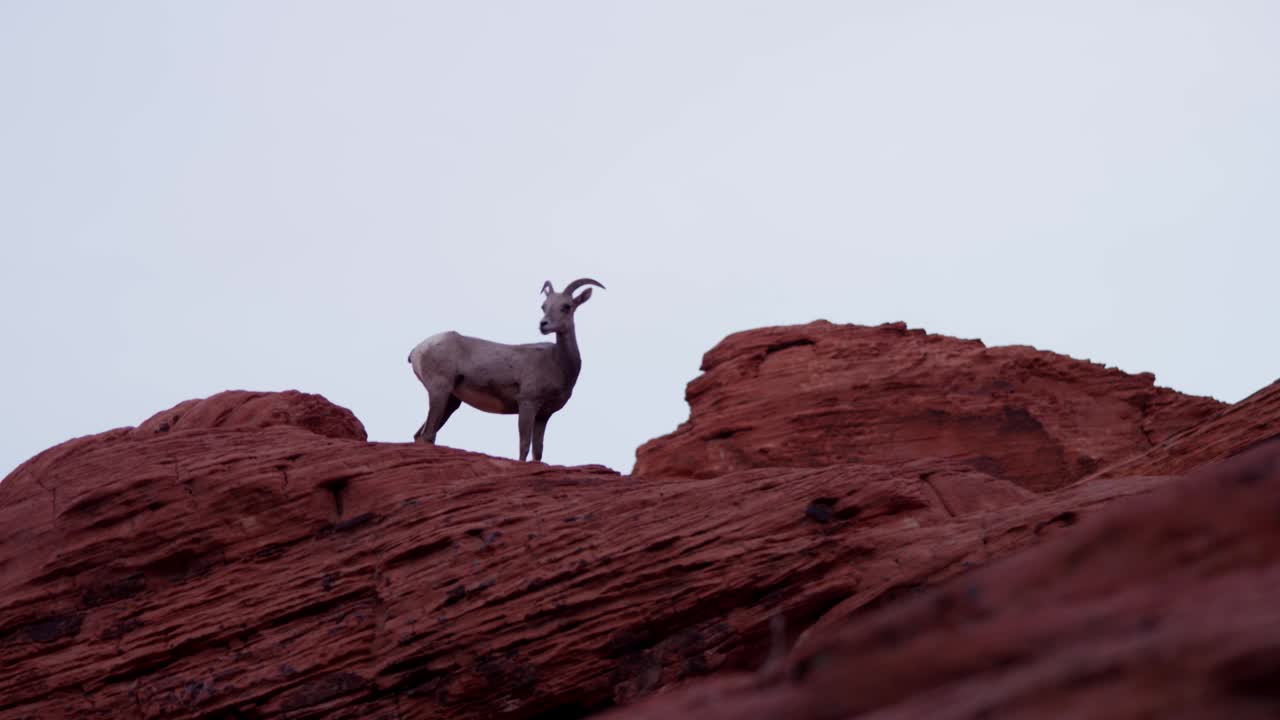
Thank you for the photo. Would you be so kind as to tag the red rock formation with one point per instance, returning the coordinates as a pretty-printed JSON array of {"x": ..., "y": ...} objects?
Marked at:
[
  {"x": 213, "y": 570},
  {"x": 822, "y": 394},
  {"x": 239, "y": 409},
  {"x": 250, "y": 556},
  {"x": 1160, "y": 606},
  {"x": 1245, "y": 425}
]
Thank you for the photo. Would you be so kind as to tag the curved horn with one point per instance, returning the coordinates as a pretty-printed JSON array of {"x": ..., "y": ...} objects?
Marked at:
[
  {"x": 547, "y": 288},
  {"x": 568, "y": 289}
]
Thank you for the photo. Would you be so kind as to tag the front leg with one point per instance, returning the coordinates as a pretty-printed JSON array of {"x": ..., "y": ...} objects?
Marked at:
[
  {"x": 539, "y": 427},
  {"x": 528, "y": 411}
]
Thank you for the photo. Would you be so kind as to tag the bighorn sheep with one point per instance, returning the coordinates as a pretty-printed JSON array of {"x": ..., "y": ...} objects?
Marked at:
[{"x": 532, "y": 380}]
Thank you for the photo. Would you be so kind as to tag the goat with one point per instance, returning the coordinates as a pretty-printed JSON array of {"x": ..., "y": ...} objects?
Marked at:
[{"x": 533, "y": 380}]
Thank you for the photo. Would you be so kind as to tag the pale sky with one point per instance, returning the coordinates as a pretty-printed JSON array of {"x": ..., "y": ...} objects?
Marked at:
[{"x": 197, "y": 196}]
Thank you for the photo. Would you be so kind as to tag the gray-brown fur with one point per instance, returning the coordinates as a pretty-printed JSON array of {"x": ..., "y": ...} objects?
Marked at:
[{"x": 532, "y": 381}]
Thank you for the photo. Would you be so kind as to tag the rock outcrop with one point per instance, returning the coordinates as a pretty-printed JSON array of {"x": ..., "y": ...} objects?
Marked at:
[
  {"x": 823, "y": 394},
  {"x": 1249, "y": 423},
  {"x": 242, "y": 410},
  {"x": 251, "y": 556},
  {"x": 211, "y": 571},
  {"x": 1160, "y": 606}
]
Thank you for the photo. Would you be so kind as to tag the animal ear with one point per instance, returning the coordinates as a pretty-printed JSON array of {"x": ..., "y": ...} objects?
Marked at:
[
  {"x": 547, "y": 289},
  {"x": 585, "y": 296}
]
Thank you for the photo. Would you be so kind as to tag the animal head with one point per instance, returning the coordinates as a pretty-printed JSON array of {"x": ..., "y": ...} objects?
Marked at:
[{"x": 558, "y": 307}]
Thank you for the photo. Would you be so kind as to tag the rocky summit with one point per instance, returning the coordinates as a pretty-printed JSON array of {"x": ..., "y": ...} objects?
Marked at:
[{"x": 855, "y": 522}]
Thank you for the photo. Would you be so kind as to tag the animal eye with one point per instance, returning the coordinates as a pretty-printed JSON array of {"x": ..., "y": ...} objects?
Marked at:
[{"x": 565, "y": 307}]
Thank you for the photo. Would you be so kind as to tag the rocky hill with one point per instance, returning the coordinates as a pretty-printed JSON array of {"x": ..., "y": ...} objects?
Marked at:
[{"x": 825, "y": 538}]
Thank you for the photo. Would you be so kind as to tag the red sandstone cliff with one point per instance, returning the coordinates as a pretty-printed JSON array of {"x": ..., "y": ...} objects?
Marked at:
[{"x": 250, "y": 555}]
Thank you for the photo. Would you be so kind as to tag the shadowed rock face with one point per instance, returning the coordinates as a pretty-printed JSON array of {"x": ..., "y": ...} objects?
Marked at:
[
  {"x": 251, "y": 556},
  {"x": 822, "y": 394},
  {"x": 1158, "y": 606}
]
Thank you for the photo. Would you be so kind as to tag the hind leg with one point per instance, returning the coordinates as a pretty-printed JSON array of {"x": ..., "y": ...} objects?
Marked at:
[
  {"x": 422, "y": 429},
  {"x": 451, "y": 404},
  {"x": 438, "y": 403}
]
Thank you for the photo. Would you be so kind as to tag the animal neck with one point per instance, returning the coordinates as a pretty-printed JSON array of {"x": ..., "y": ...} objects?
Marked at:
[{"x": 567, "y": 352}]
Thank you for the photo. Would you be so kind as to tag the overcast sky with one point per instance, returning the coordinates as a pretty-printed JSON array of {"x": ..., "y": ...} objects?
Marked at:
[{"x": 196, "y": 196}]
